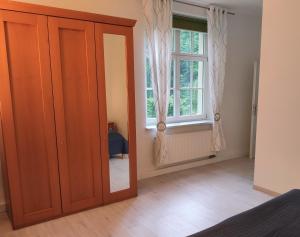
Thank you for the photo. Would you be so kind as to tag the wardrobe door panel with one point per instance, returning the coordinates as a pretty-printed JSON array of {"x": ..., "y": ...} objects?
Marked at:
[
  {"x": 114, "y": 47},
  {"x": 73, "y": 60},
  {"x": 28, "y": 117}
]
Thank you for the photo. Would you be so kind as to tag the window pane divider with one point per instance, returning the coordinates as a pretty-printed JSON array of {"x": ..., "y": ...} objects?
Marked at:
[{"x": 190, "y": 56}]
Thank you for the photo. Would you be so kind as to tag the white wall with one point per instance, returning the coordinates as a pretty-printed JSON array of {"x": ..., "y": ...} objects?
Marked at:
[
  {"x": 243, "y": 49},
  {"x": 277, "y": 166}
]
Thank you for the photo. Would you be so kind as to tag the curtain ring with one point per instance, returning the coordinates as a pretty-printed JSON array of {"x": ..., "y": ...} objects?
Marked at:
[
  {"x": 217, "y": 117},
  {"x": 161, "y": 126}
]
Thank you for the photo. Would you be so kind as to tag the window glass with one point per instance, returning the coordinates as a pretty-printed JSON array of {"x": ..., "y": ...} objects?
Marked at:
[
  {"x": 197, "y": 74},
  {"x": 150, "y": 105},
  {"x": 172, "y": 81},
  {"x": 197, "y": 101},
  {"x": 198, "y": 43},
  {"x": 185, "y": 73},
  {"x": 185, "y": 41},
  {"x": 185, "y": 102},
  {"x": 148, "y": 74},
  {"x": 171, "y": 104}
]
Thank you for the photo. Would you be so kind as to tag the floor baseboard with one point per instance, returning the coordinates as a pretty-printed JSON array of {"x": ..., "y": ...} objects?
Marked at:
[
  {"x": 157, "y": 172},
  {"x": 265, "y": 190}
]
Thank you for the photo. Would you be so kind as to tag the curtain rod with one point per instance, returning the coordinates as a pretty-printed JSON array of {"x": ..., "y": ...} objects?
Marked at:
[{"x": 195, "y": 5}]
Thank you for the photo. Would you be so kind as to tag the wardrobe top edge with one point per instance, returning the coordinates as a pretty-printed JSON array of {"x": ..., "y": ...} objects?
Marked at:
[{"x": 64, "y": 13}]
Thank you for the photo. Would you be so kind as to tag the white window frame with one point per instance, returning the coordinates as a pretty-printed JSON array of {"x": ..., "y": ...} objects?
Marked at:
[{"x": 177, "y": 56}]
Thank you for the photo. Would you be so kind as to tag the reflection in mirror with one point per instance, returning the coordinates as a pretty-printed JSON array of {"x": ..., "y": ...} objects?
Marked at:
[{"x": 117, "y": 113}]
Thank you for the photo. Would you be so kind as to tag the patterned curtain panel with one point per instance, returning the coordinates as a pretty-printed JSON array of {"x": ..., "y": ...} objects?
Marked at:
[
  {"x": 217, "y": 47},
  {"x": 158, "y": 17}
]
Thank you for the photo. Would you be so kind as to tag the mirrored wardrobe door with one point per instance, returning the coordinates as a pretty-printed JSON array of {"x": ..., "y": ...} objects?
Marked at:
[
  {"x": 116, "y": 98},
  {"x": 117, "y": 110}
]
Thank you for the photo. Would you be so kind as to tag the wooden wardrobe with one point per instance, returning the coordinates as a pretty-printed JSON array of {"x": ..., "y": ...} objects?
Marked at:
[{"x": 54, "y": 118}]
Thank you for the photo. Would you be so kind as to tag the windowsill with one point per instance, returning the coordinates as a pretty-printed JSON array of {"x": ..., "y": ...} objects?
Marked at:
[{"x": 183, "y": 124}]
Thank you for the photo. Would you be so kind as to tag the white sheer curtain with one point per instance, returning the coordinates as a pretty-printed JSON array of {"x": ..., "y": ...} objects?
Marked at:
[
  {"x": 217, "y": 47},
  {"x": 158, "y": 17}
]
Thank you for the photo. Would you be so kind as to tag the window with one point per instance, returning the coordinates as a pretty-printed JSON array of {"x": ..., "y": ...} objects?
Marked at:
[{"x": 187, "y": 98}]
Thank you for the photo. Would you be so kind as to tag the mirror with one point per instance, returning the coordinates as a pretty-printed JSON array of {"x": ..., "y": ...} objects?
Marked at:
[{"x": 117, "y": 110}]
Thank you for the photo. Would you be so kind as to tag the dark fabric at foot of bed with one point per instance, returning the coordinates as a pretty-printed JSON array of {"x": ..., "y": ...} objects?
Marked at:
[
  {"x": 117, "y": 144},
  {"x": 279, "y": 217}
]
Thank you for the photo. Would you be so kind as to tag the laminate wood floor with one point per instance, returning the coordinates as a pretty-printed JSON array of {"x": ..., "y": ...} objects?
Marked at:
[{"x": 176, "y": 204}]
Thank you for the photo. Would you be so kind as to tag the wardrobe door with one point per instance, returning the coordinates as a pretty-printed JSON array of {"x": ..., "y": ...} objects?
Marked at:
[
  {"x": 114, "y": 46},
  {"x": 72, "y": 47},
  {"x": 28, "y": 118}
]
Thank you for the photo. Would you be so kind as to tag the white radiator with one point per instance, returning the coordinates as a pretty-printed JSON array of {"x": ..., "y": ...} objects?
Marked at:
[{"x": 183, "y": 147}]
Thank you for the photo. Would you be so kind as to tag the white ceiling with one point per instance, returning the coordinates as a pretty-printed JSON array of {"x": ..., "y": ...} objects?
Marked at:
[{"x": 239, "y": 6}]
